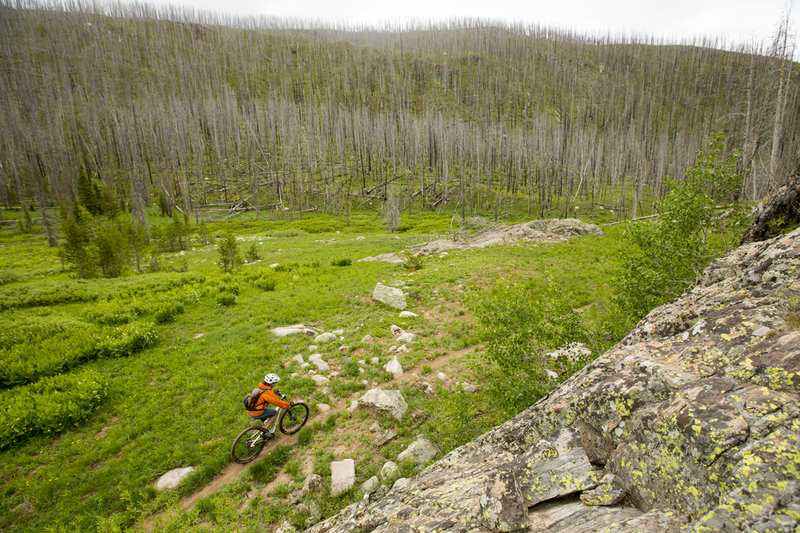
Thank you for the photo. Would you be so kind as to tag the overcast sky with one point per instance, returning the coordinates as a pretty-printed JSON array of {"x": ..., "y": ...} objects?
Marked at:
[{"x": 733, "y": 20}]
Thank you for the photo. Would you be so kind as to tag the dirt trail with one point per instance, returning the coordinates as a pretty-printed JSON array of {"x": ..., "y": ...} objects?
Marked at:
[{"x": 234, "y": 470}]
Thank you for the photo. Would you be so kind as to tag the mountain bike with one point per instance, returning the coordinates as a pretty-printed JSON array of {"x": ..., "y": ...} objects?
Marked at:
[{"x": 249, "y": 443}]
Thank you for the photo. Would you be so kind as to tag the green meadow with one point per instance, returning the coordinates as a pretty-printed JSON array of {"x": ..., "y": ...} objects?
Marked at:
[{"x": 106, "y": 384}]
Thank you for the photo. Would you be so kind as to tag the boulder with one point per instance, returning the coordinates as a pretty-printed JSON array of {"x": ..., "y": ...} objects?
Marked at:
[
  {"x": 325, "y": 337},
  {"x": 406, "y": 337},
  {"x": 320, "y": 380},
  {"x": 370, "y": 485},
  {"x": 782, "y": 211},
  {"x": 173, "y": 478},
  {"x": 297, "y": 329},
  {"x": 393, "y": 367},
  {"x": 390, "y": 402},
  {"x": 400, "y": 483},
  {"x": 318, "y": 362},
  {"x": 408, "y": 314},
  {"x": 299, "y": 359},
  {"x": 420, "y": 451},
  {"x": 389, "y": 470},
  {"x": 384, "y": 438},
  {"x": 313, "y": 483},
  {"x": 323, "y": 407},
  {"x": 390, "y": 296},
  {"x": 343, "y": 476}
]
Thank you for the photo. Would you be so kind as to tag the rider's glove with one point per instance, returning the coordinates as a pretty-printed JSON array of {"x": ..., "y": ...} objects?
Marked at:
[{"x": 291, "y": 404}]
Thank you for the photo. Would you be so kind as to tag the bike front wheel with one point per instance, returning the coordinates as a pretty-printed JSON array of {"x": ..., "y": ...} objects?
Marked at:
[
  {"x": 293, "y": 418},
  {"x": 248, "y": 445}
]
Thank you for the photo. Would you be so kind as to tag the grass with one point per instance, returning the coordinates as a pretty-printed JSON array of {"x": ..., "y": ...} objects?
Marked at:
[{"x": 178, "y": 403}]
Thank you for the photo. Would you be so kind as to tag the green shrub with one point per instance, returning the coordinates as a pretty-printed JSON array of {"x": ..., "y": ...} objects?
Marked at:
[
  {"x": 229, "y": 287},
  {"x": 252, "y": 254},
  {"x": 167, "y": 312},
  {"x": 8, "y": 276},
  {"x": 265, "y": 284},
  {"x": 229, "y": 258},
  {"x": 342, "y": 262},
  {"x": 225, "y": 299},
  {"x": 72, "y": 291},
  {"x": 268, "y": 467},
  {"x": 412, "y": 262},
  {"x": 522, "y": 323},
  {"x": 49, "y": 405},
  {"x": 28, "y": 361},
  {"x": 304, "y": 436}
]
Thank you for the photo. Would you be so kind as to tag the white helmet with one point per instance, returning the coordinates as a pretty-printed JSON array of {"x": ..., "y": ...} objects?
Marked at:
[{"x": 271, "y": 379}]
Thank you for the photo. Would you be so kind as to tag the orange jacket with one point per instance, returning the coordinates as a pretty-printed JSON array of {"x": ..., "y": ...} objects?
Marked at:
[{"x": 266, "y": 398}]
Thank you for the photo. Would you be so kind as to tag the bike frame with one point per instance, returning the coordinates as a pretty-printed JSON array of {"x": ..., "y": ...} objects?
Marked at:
[{"x": 273, "y": 429}]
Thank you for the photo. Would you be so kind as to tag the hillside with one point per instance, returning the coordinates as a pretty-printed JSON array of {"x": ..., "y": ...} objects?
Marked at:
[
  {"x": 246, "y": 114},
  {"x": 689, "y": 424}
]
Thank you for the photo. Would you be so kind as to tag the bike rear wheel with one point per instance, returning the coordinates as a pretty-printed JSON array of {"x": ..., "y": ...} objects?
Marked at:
[
  {"x": 248, "y": 445},
  {"x": 293, "y": 418}
]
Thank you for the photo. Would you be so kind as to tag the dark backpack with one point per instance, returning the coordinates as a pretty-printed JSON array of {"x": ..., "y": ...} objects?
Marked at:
[{"x": 251, "y": 399}]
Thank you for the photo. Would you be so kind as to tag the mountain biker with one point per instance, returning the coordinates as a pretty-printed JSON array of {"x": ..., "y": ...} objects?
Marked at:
[{"x": 265, "y": 392}]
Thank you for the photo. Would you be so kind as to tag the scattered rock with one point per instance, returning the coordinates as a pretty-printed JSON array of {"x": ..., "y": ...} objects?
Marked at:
[
  {"x": 367, "y": 339},
  {"x": 375, "y": 427},
  {"x": 285, "y": 527},
  {"x": 323, "y": 407},
  {"x": 401, "y": 482},
  {"x": 370, "y": 484},
  {"x": 393, "y": 367},
  {"x": 375, "y": 360},
  {"x": 313, "y": 483},
  {"x": 384, "y": 438},
  {"x": 294, "y": 330},
  {"x": 343, "y": 476},
  {"x": 468, "y": 387},
  {"x": 325, "y": 337},
  {"x": 390, "y": 296},
  {"x": 338, "y": 332},
  {"x": 344, "y": 349},
  {"x": 396, "y": 330},
  {"x": 408, "y": 314},
  {"x": 402, "y": 349},
  {"x": 441, "y": 376},
  {"x": 406, "y": 337},
  {"x": 317, "y": 360},
  {"x": 299, "y": 359},
  {"x": 313, "y": 348},
  {"x": 389, "y": 402},
  {"x": 173, "y": 478},
  {"x": 389, "y": 470},
  {"x": 427, "y": 388},
  {"x": 385, "y": 258},
  {"x": 320, "y": 380},
  {"x": 420, "y": 451}
]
